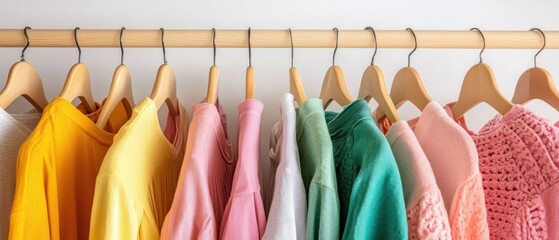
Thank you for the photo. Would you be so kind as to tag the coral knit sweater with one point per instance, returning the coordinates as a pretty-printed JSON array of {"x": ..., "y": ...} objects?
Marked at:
[{"x": 519, "y": 160}]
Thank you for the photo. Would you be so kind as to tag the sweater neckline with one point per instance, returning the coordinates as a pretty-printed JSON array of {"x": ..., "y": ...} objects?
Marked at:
[{"x": 495, "y": 124}]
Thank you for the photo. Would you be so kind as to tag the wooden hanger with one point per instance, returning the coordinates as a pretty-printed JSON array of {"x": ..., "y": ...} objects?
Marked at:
[
  {"x": 374, "y": 87},
  {"x": 295, "y": 83},
  {"x": 24, "y": 80},
  {"x": 120, "y": 91},
  {"x": 249, "y": 87},
  {"x": 296, "y": 86},
  {"x": 536, "y": 83},
  {"x": 479, "y": 86},
  {"x": 407, "y": 86},
  {"x": 165, "y": 86},
  {"x": 213, "y": 80},
  {"x": 77, "y": 83},
  {"x": 249, "y": 91},
  {"x": 333, "y": 85}
]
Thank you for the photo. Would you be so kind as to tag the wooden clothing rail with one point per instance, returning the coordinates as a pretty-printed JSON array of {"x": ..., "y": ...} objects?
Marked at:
[{"x": 175, "y": 38}]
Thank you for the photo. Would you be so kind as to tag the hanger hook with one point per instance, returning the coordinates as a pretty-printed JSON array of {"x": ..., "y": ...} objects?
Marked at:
[
  {"x": 543, "y": 46},
  {"x": 336, "y": 48},
  {"x": 26, "y": 43},
  {"x": 121, "y": 48},
  {"x": 163, "y": 45},
  {"x": 414, "y": 46},
  {"x": 291, "y": 38},
  {"x": 213, "y": 42},
  {"x": 482, "y": 38},
  {"x": 249, "y": 50},
  {"x": 375, "y": 41},
  {"x": 77, "y": 44}
]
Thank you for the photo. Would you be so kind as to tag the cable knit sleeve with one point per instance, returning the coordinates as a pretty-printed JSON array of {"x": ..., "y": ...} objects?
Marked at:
[
  {"x": 428, "y": 218},
  {"x": 469, "y": 217}
]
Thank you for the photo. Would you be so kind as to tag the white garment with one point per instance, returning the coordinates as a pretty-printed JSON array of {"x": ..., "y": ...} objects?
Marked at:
[
  {"x": 14, "y": 129},
  {"x": 286, "y": 199}
]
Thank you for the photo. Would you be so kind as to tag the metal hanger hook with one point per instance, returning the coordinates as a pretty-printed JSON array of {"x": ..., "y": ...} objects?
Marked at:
[
  {"x": 336, "y": 48},
  {"x": 375, "y": 41},
  {"x": 213, "y": 42},
  {"x": 543, "y": 46},
  {"x": 78, "y": 44},
  {"x": 121, "y": 48},
  {"x": 163, "y": 45},
  {"x": 26, "y": 43},
  {"x": 291, "y": 38},
  {"x": 414, "y": 46},
  {"x": 249, "y": 50},
  {"x": 482, "y": 38}
]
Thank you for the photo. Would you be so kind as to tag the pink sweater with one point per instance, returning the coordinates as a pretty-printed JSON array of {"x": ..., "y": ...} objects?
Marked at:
[
  {"x": 519, "y": 160},
  {"x": 454, "y": 161},
  {"x": 427, "y": 216}
]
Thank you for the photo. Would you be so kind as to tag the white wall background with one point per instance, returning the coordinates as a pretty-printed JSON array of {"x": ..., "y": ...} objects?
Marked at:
[{"x": 442, "y": 70}]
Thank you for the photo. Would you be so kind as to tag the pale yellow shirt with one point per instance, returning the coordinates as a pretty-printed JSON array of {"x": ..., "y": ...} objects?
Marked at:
[{"x": 137, "y": 180}]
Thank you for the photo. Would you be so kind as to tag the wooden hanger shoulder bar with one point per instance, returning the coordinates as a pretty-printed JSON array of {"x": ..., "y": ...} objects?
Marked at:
[{"x": 188, "y": 38}]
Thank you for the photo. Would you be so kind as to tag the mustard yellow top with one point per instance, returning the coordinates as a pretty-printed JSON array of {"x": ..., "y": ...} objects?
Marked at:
[
  {"x": 56, "y": 170},
  {"x": 138, "y": 177}
]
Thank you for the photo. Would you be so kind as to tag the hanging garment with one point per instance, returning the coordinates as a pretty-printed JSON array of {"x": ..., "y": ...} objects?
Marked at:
[
  {"x": 205, "y": 178},
  {"x": 453, "y": 158},
  {"x": 56, "y": 170},
  {"x": 14, "y": 129},
  {"x": 244, "y": 216},
  {"x": 519, "y": 163},
  {"x": 426, "y": 213},
  {"x": 137, "y": 180},
  {"x": 369, "y": 185},
  {"x": 318, "y": 172},
  {"x": 286, "y": 198}
]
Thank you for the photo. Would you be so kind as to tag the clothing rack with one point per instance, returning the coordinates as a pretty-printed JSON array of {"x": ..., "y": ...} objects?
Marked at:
[{"x": 187, "y": 38}]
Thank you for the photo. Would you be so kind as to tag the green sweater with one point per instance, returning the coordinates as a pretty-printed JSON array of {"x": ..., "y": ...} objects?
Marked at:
[
  {"x": 318, "y": 172},
  {"x": 369, "y": 185}
]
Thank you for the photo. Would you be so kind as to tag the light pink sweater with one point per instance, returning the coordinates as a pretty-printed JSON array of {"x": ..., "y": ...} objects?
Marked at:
[
  {"x": 519, "y": 163},
  {"x": 454, "y": 161},
  {"x": 426, "y": 213}
]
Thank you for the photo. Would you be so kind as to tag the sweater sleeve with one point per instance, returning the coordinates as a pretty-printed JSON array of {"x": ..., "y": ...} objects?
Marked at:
[
  {"x": 428, "y": 218},
  {"x": 376, "y": 207},
  {"x": 323, "y": 215},
  {"x": 469, "y": 220}
]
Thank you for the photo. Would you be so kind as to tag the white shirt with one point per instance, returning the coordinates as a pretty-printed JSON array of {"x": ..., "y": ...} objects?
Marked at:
[{"x": 286, "y": 201}]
